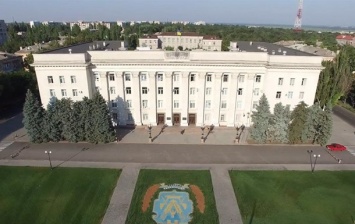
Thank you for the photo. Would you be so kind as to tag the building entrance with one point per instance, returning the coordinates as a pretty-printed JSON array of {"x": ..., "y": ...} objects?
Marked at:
[
  {"x": 192, "y": 119},
  {"x": 176, "y": 119},
  {"x": 161, "y": 119}
]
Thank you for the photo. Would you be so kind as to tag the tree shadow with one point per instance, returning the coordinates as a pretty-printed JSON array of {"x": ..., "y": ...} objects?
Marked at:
[
  {"x": 210, "y": 130},
  {"x": 252, "y": 214},
  {"x": 161, "y": 131},
  {"x": 71, "y": 157}
]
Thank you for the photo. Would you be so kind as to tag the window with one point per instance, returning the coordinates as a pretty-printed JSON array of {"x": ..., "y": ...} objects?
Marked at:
[
  {"x": 290, "y": 95},
  {"x": 176, "y": 77},
  {"x": 52, "y": 92},
  {"x": 281, "y": 81},
  {"x": 114, "y": 116},
  {"x": 223, "y": 118},
  {"x": 208, "y": 104},
  {"x": 278, "y": 95},
  {"x": 176, "y": 104},
  {"x": 128, "y": 90},
  {"x": 145, "y": 117},
  {"x": 224, "y": 104},
  {"x": 143, "y": 77},
  {"x": 292, "y": 81},
  {"x": 224, "y": 91},
  {"x": 160, "y": 77},
  {"x": 61, "y": 79},
  {"x": 207, "y": 117},
  {"x": 112, "y": 90},
  {"x": 160, "y": 90},
  {"x": 209, "y": 78},
  {"x": 64, "y": 92},
  {"x": 112, "y": 77},
  {"x": 127, "y": 77},
  {"x": 256, "y": 92},
  {"x": 144, "y": 90},
  {"x": 176, "y": 90},
  {"x": 304, "y": 80},
  {"x": 239, "y": 104},
  {"x": 241, "y": 78},
  {"x": 192, "y": 78},
  {"x": 258, "y": 78},
  {"x": 192, "y": 91},
  {"x": 225, "y": 78},
  {"x": 160, "y": 104},
  {"x": 208, "y": 91},
  {"x": 255, "y": 104},
  {"x": 130, "y": 117},
  {"x": 113, "y": 104},
  {"x": 73, "y": 79},
  {"x": 50, "y": 79},
  {"x": 301, "y": 95},
  {"x": 240, "y": 91},
  {"x": 75, "y": 92},
  {"x": 97, "y": 77},
  {"x": 129, "y": 103},
  {"x": 192, "y": 104},
  {"x": 144, "y": 103}
]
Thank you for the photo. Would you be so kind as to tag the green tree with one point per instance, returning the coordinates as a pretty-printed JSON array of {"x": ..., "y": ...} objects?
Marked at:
[
  {"x": 54, "y": 122},
  {"x": 169, "y": 48},
  {"x": 326, "y": 126},
  {"x": 312, "y": 127},
  {"x": 75, "y": 30},
  {"x": 86, "y": 121},
  {"x": 279, "y": 121},
  {"x": 298, "y": 125},
  {"x": 260, "y": 119},
  {"x": 33, "y": 118}
]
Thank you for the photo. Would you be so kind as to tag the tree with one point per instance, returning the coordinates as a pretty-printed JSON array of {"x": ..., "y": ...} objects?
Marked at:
[
  {"x": 298, "y": 124},
  {"x": 312, "y": 126},
  {"x": 180, "y": 48},
  {"x": 260, "y": 119},
  {"x": 169, "y": 48},
  {"x": 326, "y": 126},
  {"x": 75, "y": 30},
  {"x": 33, "y": 118},
  {"x": 279, "y": 121},
  {"x": 53, "y": 121},
  {"x": 86, "y": 120}
]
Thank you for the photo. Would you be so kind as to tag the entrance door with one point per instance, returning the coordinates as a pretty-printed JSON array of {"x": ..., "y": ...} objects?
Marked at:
[
  {"x": 192, "y": 119},
  {"x": 176, "y": 119},
  {"x": 161, "y": 119}
]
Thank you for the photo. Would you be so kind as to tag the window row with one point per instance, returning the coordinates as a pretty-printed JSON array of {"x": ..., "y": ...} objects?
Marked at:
[
  {"x": 61, "y": 79},
  {"x": 289, "y": 95},
  {"x": 292, "y": 81},
  {"x": 63, "y": 92}
]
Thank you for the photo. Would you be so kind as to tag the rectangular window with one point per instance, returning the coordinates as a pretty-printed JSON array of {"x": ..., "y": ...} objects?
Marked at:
[
  {"x": 160, "y": 77},
  {"x": 50, "y": 79},
  {"x": 192, "y": 91},
  {"x": 113, "y": 104},
  {"x": 278, "y": 95},
  {"x": 241, "y": 78},
  {"x": 160, "y": 90},
  {"x": 209, "y": 78},
  {"x": 127, "y": 77},
  {"x": 239, "y": 104},
  {"x": 73, "y": 79},
  {"x": 192, "y": 104},
  {"x": 61, "y": 79},
  {"x": 97, "y": 77},
  {"x": 143, "y": 77},
  {"x": 256, "y": 91},
  {"x": 75, "y": 92},
  {"x": 208, "y": 91},
  {"x": 144, "y": 90},
  {"x": 160, "y": 104},
  {"x": 192, "y": 78},
  {"x": 128, "y": 90},
  {"x": 281, "y": 81},
  {"x": 176, "y": 90},
  {"x": 224, "y": 104},
  {"x": 114, "y": 116},
  {"x": 207, "y": 117},
  {"x": 290, "y": 95},
  {"x": 112, "y": 77},
  {"x": 258, "y": 78},
  {"x": 224, "y": 91},
  {"x": 176, "y": 77},
  {"x": 255, "y": 104},
  {"x": 176, "y": 104},
  {"x": 240, "y": 91},
  {"x": 225, "y": 78},
  {"x": 144, "y": 103},
  {"x": 52, "y": 92},
  {"x": 304, "y": 81},
  {"x": 64, "y": 92},
  {"x": 208, "y": 104},
  {"x": 129, "y": 103},
  {"x": 145, "y": 117},
  {"x": 301, "y": 95},
  {"x": 292, "y": 81},
  {"x": 223, "y": 118},
  {"x": 130, "y": 117},
  {"x": 112, "y": 90}
]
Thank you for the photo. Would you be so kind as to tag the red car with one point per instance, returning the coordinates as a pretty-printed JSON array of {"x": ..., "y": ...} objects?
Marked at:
[{"x": 336, "y": 147}]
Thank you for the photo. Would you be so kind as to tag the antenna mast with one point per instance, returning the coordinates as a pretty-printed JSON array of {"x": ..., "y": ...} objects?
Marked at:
[{"x": 298, "y": 22}]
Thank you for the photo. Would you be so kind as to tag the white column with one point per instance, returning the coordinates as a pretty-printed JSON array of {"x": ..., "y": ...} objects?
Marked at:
[
  {"x": 168, "y": 91},
  {"x": 231, "y": 100},
  {"x": 152, "y": 99},
  {"x": 136, "y": 98},
  {"x": 249, "y": 98},
  {"x": 120, "y": 99},
  {"x": 184, "y": 91},
  {"x": 104, "y": 86},
  {"x": 216, "y": 99},
  {"x": 200, "y": 99}
]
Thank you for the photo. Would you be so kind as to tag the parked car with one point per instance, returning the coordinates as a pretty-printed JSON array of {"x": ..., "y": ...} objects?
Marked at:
[{"x": 336, "y": 147}]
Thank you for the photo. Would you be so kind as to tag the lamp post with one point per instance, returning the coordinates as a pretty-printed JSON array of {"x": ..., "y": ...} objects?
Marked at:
[
  {"x": 150, "y": 132},
  {"x": 202, "y": 133},
  {"x": 315, "y": 161},
  {"x": 237, "y": 136},
  {"x": 49, "y": 158},
  {"x": 310, "y": 158}
]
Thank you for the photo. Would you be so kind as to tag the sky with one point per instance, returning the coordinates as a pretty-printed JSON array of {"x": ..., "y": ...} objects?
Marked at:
[{"x": 316, "y": 12}]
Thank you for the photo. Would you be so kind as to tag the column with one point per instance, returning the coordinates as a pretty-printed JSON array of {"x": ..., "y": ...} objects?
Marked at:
[
  {"x": 121, "y": 103},
  {"x": 231, "y": 100},
  {"x": 104, "y": 86},
  {"x": 216, "y": 100},
  {"x": 184, "y": 91},
  {"x": 152, "y": 98},
  {"x": 249, "y": 91},
  {"x": 168, "y": 91},
  {"x": 200, "y": 99},
  {"x": 136, "y": 99}
]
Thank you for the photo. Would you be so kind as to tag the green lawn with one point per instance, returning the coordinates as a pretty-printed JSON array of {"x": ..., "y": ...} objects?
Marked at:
[
  {"x": 293, "y": 197},
  {"x": 64, "y": 195},
  {"x": 148, "y": 178}
]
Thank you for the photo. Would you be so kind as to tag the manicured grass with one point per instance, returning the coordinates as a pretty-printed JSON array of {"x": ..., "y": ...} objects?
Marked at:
[
  {"x": 63, "y": 195},
  {"x": 148, "y": 178},
  {"x": 293, "y": 197}
]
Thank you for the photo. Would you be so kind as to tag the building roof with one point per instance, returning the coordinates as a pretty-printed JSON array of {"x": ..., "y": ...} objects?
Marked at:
[
  {"x": 187, "y": 34},
  {"x": 149, "y": 37},
  {"x": 209, "y": 37},
  {"x": 90, "y": 46},
  {"x": 271, "y": 49},
  {"x": 344, "y": 37},
  {"x": 5, "y": 55}
]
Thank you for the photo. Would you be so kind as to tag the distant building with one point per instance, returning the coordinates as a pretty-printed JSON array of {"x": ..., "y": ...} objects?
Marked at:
[
  {"x": 34, "y": 23},
  {"x": 46, "y": 23},
  {"x": 187, "y": 40},
  {"x": 120, "y": 23},
  {"x": 200, "y": 23},
  {"x": 3, "y": 32},
  {"x": 86, "y": 25},
  {"x": 10, "y": 62},
  {"x": 345, "y": 39}
]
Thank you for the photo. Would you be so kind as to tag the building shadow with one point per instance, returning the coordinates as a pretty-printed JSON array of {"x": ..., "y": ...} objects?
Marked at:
[{"x": 10, "y": 126}]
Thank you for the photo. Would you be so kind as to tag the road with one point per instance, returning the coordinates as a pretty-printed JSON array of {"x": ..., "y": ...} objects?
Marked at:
[{"x": 344, "y": 114}]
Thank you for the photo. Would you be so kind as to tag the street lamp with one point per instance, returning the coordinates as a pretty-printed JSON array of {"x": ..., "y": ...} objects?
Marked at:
[
  {"x": 315, "y": 161},
  {"x": 310, "y": 158},
  {"x": 49, "y": 158},
  {"x": 202, "y": 137},
  {"x": 150, "y": 132}
]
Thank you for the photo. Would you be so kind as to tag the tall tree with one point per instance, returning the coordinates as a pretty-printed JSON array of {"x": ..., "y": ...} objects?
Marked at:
[
  {"x": 260, "y": 119},
  {"x": 279, "y": 121},
  {"x": 298, "y": 125},
  {"x": 326, "y": 126},
  {"x": 54, "y": 122},
  {"x": 312, "y": 126}
]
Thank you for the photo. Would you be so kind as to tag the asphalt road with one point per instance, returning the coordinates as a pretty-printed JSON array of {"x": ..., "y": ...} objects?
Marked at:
[
  {"x": 344, "y": 114},
  {"x": 174, "y": 154}
]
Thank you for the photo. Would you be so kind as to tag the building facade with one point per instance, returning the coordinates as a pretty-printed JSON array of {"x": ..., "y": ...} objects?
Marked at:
[
  {"x": 86, "y": 25},
  {"x": 345, "y": 40},
  {"x": 3, "y": 32},
  {"x": 10, "y": 62},
  {"x": 179, "y": 88}
]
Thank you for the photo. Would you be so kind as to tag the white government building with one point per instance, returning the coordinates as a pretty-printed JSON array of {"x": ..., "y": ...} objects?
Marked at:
[{"x": 179, "y": 87}]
